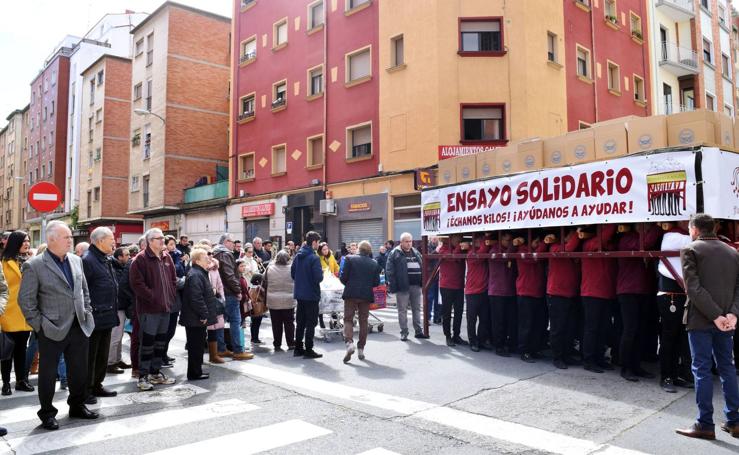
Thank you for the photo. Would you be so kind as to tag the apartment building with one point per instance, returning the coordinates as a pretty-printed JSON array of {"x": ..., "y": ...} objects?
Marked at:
[
  {"x": 179, "y": 116},
  {"x": 13, "y": 192}
]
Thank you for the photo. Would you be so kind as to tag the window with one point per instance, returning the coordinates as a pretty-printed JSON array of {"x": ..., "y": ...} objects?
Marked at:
[
  {"x": 99, "y": 115},
  {"x": 150, "y": 49},
  {"x": 614, "y": 77},
  {"x": 98, "y": 153},
  {"x": 725, "y": 68},
  {"x": 279, "y": 159},
  {"x": 89, "y": 203},
  {"x": 145, "y": 192},
  {"x": 583, "y": 125},
  {"x": 139, "y": 47},
  {"x": 359, "y": 141},
  {"x": 134, "y": 183},
  {"x": 137, "y": 91},
  {"x": 53, "y": 78},
  {"x": 50, "y": 168},
  {"x": 249, "y": 50},
  {"x": 480, "y": 35},
  {"x": 279, "y": 34},
  {"x": 728, "y": 110},
  {"x": 92, "y": 92},
  {"x": 397, "y": 51},
  {"x": 90, "y": 159},
  {"x": 147, "y": 142},
  {"x": 246, "y": 166},
  {"x": 247, "y": 107},
  {"x": 315, "y": 15},
  {"x": 149, "y": 90},
  {"x": 43, "y": 170},
  {"x": 583, "y": 62},
  {"x": 43, "y": 143},
  {"x": 707, "y": 54},
  {"x": 358, "y": 65},
  {"x": 279, "y": 94},
  {"x": 705, "y": 4},
  {"x": 315, "y": 81},
  {"x": 351, "y": 4},
  {"x": 551, "y": 47},
  {"x": 245, "y": 3},
  {"x": 97, "y": 194},
  {"x": 53, "y": 105},
  {"x": 100, "y": 77},
  {"x": 636, "y": 30},
  {"x": 46, "y": 112},
  {"x": 639, "y": 89},
  {"x": 710, "y": 102},
  {"x": 484, "y": 123},
  {"x": 315, "y": 151},
  {"x": 721, "y": 15},
  {"x": 609, "y": 10}
]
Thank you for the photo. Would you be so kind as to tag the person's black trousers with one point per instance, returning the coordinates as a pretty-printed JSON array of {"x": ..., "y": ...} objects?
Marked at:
[
  {"x": 195, "y": 348},
  {"x": 306, "y": 320},
  {"x": 673, "y": 338},
  {"x": 74, "y": 347},
  {"x": 597, "y": 313},
  {"x": 171, "y": 329},
  {"x": 452, "y": 300},
  {"x": 504, "y": 322},
  {"x": 18, "y": 358},
  {"x": 634, "y": 314},
  {"x": 531, "y": 319},
  {"x": 97, "y": 359},
  {"x": 562, "y": 315},
  {"x": 477, "y": 316},
  {"x": 254, "y": 325},
  {"x": 650, "y": 330}
]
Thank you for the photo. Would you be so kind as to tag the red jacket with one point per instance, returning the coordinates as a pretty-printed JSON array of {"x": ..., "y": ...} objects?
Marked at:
[
  {"x": 451, "y": 271},
  {"x": 634, "y": 273},
  {"x": 532, "y": 276},
  {"x": 599, "y": 274},
  {"x": 564, "y": 274},
  {"x": 154, "y": 282},
  {"x": 477, "y": 273},
  {"x": 502, "y": 274}
]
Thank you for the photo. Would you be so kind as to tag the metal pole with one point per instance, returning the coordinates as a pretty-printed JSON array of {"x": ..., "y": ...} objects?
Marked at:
[
  {"x": 43, "y": 228},
  {"x": 425, "y": 282}
]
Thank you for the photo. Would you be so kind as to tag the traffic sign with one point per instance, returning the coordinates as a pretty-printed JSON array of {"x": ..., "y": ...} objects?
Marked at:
[{"x": 44, "y": 197}]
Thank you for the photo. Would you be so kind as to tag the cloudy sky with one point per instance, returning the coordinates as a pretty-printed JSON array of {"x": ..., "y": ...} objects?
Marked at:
[{"x": 29, "y": 30}]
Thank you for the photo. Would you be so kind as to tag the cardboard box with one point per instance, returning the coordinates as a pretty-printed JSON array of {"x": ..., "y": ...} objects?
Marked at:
[
  {"x": 447, "y": 172},
  {"x": 486, "y": 164},
  {"x": 692, "y": 128},
  {"x": 466, "y": 168},
  {"x": 580, "y": 147},
  {"x": 647, "y": 133},
  {"x": 505, "y": 160},
  {"x": 725, "y": 131},
  {"x": 554, "y": 151},
  {"x": 736, "y": 134},
  {"x": 614, "y": 121},
  {"x": 530, "y": 155},
  {"x": 610, "y": 141}
]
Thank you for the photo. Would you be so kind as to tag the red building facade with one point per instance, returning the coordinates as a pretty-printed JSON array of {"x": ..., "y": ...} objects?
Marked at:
[{"x": 607, "y": 60}]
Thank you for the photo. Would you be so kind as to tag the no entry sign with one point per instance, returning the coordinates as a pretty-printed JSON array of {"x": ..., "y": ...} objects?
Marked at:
[{"x": 44, "y": 197}]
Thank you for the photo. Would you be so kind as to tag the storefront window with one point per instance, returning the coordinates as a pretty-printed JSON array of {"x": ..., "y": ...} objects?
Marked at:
[{"x": 407, "y": 216}]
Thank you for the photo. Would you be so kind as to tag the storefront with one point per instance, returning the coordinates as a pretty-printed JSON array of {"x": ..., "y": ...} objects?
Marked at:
[
  {"x": 359, "y": 218},
  {"x": 207, "y": 224},
  {"x": 303, "y": 214},
  {"x": 168, "y": 224},
  {"x": 260, "y": 218},
  {"x": 125, "y": 233}
]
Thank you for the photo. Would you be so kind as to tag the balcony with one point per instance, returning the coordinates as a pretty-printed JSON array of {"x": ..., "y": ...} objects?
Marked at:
[
  {"x": 678, "y": 60},
  {"x": 245, "y": 115},
  {"x": 677, "y": 10},
  {"x": 248, "y": 56},
  {"x": 671, "y": 108},
  {"x": 202, "y": 193}
]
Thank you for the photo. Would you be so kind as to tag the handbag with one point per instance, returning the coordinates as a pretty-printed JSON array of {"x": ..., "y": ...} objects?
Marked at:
[
  {"x": 258, "y": 303},
  {"x": 7, "y": 344}
]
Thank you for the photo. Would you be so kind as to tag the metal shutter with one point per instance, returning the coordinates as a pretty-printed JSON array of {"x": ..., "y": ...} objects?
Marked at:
[{"x": 356, "y": 231}]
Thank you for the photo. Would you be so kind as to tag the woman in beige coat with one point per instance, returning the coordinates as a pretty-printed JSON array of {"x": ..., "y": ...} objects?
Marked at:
[{"x": 279, "y": 286}]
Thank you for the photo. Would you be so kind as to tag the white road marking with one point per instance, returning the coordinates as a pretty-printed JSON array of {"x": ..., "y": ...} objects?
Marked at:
[
  {"x": 379, "y": 451},
  {"x": 107, "y": 430},
  {"x": 487, "y": 426},
  {"x": 160, "y": 395},
  {"x": 254, "y": 441}
]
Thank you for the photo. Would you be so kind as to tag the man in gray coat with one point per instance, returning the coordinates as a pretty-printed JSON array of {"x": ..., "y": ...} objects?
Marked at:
[
  {"x": 711, "y": 274},
  {"x": 56, "y": 303}
]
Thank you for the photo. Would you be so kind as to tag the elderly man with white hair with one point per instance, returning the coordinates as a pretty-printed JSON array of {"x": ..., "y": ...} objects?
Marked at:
[
  {"x": 154, "y": 283},
  {"x": 403, "y": 275},
  {"x": 103, "y": 287},
  {"x": 81, "y": 248}
]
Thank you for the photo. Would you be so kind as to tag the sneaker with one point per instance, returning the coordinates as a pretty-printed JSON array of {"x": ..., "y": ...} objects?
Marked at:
[
  {"x": 167, "y": 365},
  {"x": 360, "y": 353},
  {"x": 144, "y": 384},
  {"x": 349, "y": 351},
  {"x": 160, "y": 378},
  {"x": 404, "y": 337},
  {"x": 668, "y": 386}
]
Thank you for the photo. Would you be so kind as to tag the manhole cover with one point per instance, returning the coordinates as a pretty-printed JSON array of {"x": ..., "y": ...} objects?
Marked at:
[{"x": 166, "y": 395}]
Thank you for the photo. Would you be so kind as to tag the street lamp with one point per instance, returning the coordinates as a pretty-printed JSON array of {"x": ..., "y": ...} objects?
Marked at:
[{"x": 145, "y": 112}]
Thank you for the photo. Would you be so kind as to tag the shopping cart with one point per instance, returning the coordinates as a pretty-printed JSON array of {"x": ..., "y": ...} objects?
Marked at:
[{"x": 379, "y": 303}]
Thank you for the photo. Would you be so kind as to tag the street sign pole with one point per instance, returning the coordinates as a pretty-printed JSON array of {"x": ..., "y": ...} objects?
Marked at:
[
  {"x": 44, "y": 197},
  {"x": 43, "y": 228}
]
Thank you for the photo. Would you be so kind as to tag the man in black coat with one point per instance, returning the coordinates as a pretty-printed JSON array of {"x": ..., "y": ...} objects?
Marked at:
[
  {"x": 103, "y": 287},
  {"x": 198, "y": 311},
  {"x": 116, "y": 365},
  {"x": 360, "y": 275}
]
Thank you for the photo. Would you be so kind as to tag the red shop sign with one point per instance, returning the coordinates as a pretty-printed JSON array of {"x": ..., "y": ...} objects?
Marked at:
[{"x": 250, "y": 211}]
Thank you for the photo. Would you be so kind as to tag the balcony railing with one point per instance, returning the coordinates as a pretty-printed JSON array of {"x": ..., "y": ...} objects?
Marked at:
[
  {"x": 361, "y": 150},
  {"x": 671, "y": 108},
  {"x": 681, "y": 60},
  {"x": 679, "y": 10},
  {"x": 246, "y": 57},
  {"x": 246, "y": 115},
  {"x": 279, "y": 102},
  {"x": 206, "y": 192}
]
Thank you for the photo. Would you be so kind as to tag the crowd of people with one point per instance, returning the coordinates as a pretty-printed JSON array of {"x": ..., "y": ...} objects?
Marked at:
[{"x": 72, "y": 310}]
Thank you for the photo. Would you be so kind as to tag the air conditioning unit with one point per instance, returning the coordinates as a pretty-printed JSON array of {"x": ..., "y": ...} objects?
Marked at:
[{"x": 327, "y": 207}]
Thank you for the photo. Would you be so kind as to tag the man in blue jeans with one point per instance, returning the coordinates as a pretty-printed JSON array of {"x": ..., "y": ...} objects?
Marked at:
[
  {"x": 711, "y": 273},
  {"x": 223, "y": 252},
  {"x": 307, "y": 273}
]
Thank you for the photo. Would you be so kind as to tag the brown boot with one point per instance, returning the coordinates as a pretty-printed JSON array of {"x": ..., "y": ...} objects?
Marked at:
[
  {"x": 225, "y": 353},
  {"x": 34, "y": 364},
  {"x": 213, "y": 353},
  {"x": 243, "y": 356}
]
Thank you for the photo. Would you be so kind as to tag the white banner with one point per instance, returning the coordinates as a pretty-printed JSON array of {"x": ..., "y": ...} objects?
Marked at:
[
  {"x": 637, "y": 188},
  {"x": 720, "y": 183}
]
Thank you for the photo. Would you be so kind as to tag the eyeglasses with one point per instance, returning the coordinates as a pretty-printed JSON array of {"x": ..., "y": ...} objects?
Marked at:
[
  {"x": 210, "y": 254},
  {"x": 157, "y": 238}
]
